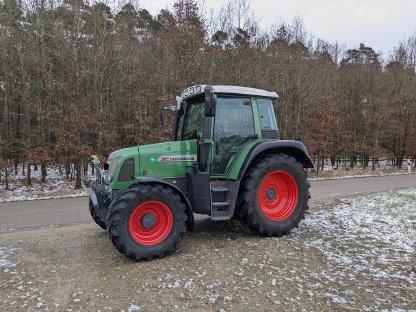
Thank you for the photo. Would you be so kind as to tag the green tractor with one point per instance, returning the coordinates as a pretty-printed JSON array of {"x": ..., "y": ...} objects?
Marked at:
[{"x": 225, "y": 160}]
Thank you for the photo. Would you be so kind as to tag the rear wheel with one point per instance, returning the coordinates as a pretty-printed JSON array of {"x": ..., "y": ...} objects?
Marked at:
[
  {"x": 274, "y": 195},
  {"x": 147, "y": 221}
]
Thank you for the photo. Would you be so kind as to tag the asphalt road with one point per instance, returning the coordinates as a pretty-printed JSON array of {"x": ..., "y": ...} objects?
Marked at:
[{"x": 52, "y": 212}]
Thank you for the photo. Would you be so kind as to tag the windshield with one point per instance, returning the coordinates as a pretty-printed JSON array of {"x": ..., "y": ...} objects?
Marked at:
[{"x": 192, "y": 127}]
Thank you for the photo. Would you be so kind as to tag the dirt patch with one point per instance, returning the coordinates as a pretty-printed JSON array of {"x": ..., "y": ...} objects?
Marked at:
[{"x": 330, "y": 262}]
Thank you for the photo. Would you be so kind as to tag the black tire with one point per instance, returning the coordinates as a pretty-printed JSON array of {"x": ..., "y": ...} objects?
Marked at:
[
  {"x": 250, "y": 211},
  {"x": 122, "y": 210},
  {"x": 95, "y": 216}
]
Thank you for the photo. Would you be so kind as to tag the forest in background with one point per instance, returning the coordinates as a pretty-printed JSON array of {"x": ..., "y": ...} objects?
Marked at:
[{"x": 80, "y": 78}]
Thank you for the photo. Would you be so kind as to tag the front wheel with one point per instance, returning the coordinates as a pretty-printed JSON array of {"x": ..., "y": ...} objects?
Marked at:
[
  {"x": 274, "y": 195},
  {"x": 147, "y": 221}
]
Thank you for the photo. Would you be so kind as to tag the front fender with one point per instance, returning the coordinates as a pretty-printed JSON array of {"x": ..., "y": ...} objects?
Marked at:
[
  {"x": 150, "y": 180},
  {"x": 96, "y": 195}
]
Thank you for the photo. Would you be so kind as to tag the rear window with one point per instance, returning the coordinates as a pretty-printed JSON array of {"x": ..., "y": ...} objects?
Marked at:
[{"x": 266, "y": 114}]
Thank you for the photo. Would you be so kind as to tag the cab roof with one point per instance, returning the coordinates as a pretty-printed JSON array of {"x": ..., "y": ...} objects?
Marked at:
[{"x": 198, "y": 90}]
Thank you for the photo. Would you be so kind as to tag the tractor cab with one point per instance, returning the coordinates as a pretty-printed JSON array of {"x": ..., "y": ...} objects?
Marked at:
[{"x": 225, "y": 119}]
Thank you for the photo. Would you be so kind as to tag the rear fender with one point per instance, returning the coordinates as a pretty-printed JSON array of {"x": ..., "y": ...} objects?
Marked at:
[{"x": 295, "y": 149}]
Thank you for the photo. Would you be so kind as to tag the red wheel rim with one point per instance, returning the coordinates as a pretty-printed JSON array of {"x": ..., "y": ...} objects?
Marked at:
[
  {"x": 278, "y": 195},
  {"x": 150, "y": 223}
]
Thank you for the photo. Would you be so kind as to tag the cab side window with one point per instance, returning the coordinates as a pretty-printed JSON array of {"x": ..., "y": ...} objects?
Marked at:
[{"x": 267, "y": 117}]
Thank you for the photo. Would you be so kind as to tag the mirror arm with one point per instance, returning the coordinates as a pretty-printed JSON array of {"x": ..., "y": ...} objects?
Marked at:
[{"x": 209, "y": 102}]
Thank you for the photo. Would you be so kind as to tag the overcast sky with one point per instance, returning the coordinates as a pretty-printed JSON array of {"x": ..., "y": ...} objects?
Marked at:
[{"x": 380, "y": 24}]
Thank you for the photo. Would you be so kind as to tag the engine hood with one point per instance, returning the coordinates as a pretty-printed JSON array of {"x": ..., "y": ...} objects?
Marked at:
[
  {"x": 124, "y": 152},
  {"x": 167, "y": 159}
]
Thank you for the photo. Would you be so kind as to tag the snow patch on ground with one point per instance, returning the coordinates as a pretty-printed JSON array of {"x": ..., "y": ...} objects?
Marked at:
[
  {"x": 381, "y": 164},
  {"x": 387, "y": 220},
  {"x": 133, "y": 308},
  {"x": 381, "y": 174},
  {"x": 5, "y": 262},
  {"x": 369, "y": 239},
  {"x": 56, "y": 186},
  {"x": 41, "y": 196}
]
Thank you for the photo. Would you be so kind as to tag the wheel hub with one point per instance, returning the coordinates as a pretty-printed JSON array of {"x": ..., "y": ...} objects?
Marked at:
[
  {"x": 278, "y": 195},
  {"x": 271, "y": 193},
  {"x": 148, "y": 220}
]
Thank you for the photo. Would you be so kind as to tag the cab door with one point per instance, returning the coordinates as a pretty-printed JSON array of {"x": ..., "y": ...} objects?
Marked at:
[
  {"x": 233, "y": 128},
  {"x": 195, "y": 124}
]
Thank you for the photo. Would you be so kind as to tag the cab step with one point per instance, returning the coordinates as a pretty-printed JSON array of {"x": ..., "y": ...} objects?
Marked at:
[
  {"x": 224, "y": 195},
  {"x": 220, "y": 218},
  {"x": 219, "y": 189},
  {"x": 221, "y": 204}
]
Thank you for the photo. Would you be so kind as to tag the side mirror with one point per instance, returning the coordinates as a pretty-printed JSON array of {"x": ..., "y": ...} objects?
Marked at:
[
  {"x": 173, "y": 108},
  {"x": 210, "y": 102}
]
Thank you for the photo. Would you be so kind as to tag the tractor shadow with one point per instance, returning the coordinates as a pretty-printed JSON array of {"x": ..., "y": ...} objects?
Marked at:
[
  {"x": 214, "y": 235},
  {"x": 203, "y": 225},
  {"x": 224, "y": 238}
]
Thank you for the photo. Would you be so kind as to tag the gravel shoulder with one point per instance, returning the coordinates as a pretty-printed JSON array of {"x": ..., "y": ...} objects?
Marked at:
[{"x": 354, "y": 253}]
